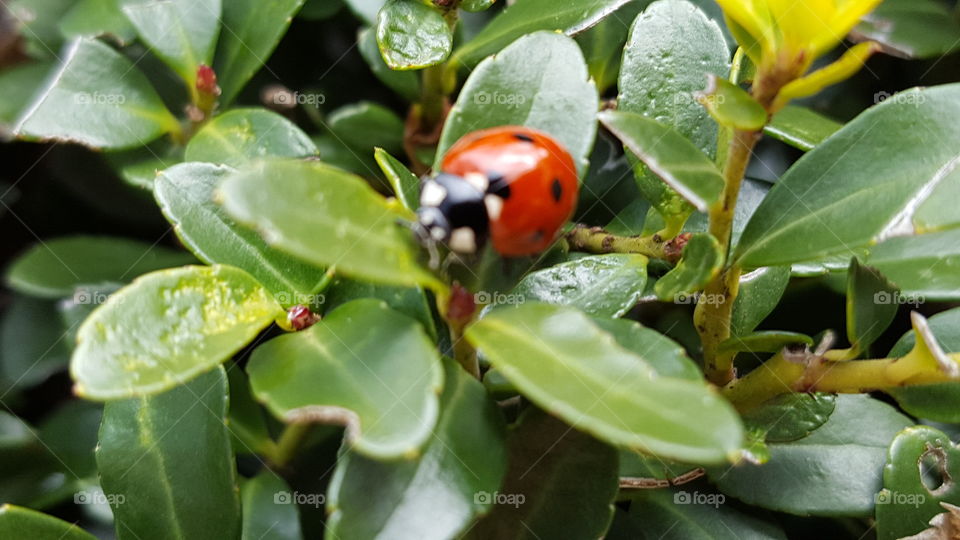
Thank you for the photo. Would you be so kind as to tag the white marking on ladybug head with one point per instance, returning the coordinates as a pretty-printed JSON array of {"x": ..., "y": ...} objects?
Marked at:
[
  {"x": 432, "y": 194},
  {"x": 463, "y": 240},
  {"x": 437, "y": 233},
  {"x": 478, "y": 180},
  {"x": 494, "y": 204}
]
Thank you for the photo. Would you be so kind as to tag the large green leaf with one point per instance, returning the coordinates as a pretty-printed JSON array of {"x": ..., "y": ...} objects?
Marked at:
[
  {"x": 760, "y": 292},
  {"x": 166, "y": 466},
  {"x": 435, "y": 495},
  {"x": 560, "y": 483},
  {"x": 32, "y": 345},
  {"x": 328, "y": 217},
  {"x": 97, "y": 98},
  {"x": 412, "y": 35},
  {"x": 602, "y": 45},
  {"x": 166, "y": 328},
  {"x": 890, "y": 172},
  {"x": 800, "y": 127},
  {"x": 182, "y": 33},
  {"x": 269, "y": 511},
  {"x": 251, "y": 31},
  {"x": 365, "y": 125},
  {"x": 789, "y": 417},
  {"x": 692, "y": 514},
  {"x": 835, "y": 471},
  {"x": 383, "y": 390},
  {"x": 663, "y": 354},
  {"x": 93, "y": 18},
  {"x": 185, "y": 194},
  {"x": 244, "y": 135},
  {"x": 55, "y": 268},
  {"x": 925, "y": 267},
  {"x": 565, "y": 364},
  {"x": 912, "y": 28},
  {"x": 603, "y": 285},
  {"x": 404, "y": 83},
  {"x": 411, "y": 301},
  {"x": 539, "y": 81},
  {"x": 527, "y": 16},
  {"x": 17, "y": 522}
]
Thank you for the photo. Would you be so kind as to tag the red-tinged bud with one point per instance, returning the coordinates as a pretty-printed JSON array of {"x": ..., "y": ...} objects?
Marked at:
[
  {"x": 207, "y": 81},
  {"x": 674, "y": 248},
  {"x": 300, "y": 317},
  {"x": 461, "y": 306}
]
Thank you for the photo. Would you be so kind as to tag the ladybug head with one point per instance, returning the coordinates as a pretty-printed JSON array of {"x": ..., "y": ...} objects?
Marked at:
[{"x": 452, "y": 212}]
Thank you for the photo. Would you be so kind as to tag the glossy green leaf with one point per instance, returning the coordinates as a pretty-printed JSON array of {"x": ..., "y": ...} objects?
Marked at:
[
  {"x": 912, "y": 28},
  {"x": 365, "y": 125},
  {"x": 766, "y": 341},
  {"x": 731, "y": 105},
  {"x": 760, "y": 292},
  {"x": 404, "y": 83},
  {"x": 441, "y": 492},
  {"x": 412, "y": 35},
  {"x": 871, "y": 305},
  {"x": 383, "y": 390},
  {"x": 692, "y": 514},
  {"x": 923, "y": 267},
  {"x": 18, "y": 85},
  {"x": 835, "y": 471},
  {"x": 246, "y": 419},
  {"x": 476, "y": 5},
  {"x": 166, "y": 466},
  {"x": 940, "y": 402},
  {"x": 664, "y": 355},
  {"x": 615, "y": 396},
  {"x": 17, "y": 522},
  {"x": 251, "y": 31},
  {"x": 185, "y": 193},
  {"x": 602, "y": 45},
  {"x": 269, "y": 511},
  {"x": 166, "y": 328},
  {"x": 139, "y": 166},
  {"x": 32, "y": 345},
  {"x": 527, "y": 16},
  {"x": 328, "y": 217},
  {"x": 55, "y": 268},
  {"x": 800, "y": 127},
  {"x": 97, "y": 98},
  {"x": 70, "y": 435},
  {"x": 560, "y": 483},
  {"x": 702, "y": 260},
  {"x": 906, "y": 503},
  {"x": 671, "y": 48},
  {"x": 244, "y": 135},
  {"x": 601, "y": 285},
  {"x": 887, "y": 173},
  {"x": 789, "y": 417},
  {"x": 183, "y": 33},
  {"x": 93, "y": 18},
  {"x": 406, "y": 185},
  {"x": 669, "y": 155},
  {"x": 411, "y": 301},
  {"x": 539, "y": 81}
]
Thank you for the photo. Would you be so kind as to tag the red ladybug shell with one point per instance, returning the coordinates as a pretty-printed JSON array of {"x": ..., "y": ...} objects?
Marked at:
[{"x": 532, "y": 172}]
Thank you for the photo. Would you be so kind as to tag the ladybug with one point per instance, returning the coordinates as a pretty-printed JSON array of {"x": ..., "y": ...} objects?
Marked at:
[{"x": 511, "y": 185}]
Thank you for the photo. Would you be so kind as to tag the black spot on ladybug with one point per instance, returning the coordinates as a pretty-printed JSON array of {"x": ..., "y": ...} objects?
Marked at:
[
  {"x": 522, "y": 137},
  {"x": 556, "y": 189},
  {"x": 498, "y": 185}
]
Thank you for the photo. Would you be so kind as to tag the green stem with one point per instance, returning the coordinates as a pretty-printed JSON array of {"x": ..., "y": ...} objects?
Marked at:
[
  {"x": 464, "y": 353},
  {"x": 597, "y": 240},
  {"x": 289, "y": 444}
]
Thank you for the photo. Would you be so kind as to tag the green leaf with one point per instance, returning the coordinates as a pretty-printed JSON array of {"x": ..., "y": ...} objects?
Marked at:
[
  {"x": 539, "y": 81},
  {"x": 139, "y": 166},
  {"x": 560, "y": 483},
  {"x": 615, "y": 396},
  {"x": 69, "y": 434},
  {"x": 696, "y": 515},
  {"x": 185, "y": 194},
  {"x": 246, "y": 419},
  {"x": 527, "y": 16},
  {"x": 327, "y": 217},
  {"x": 669, "y": 155},
  {"x": 383, "y": 390},
  {"x": 97, "y": 98},
  {"x": 17, "y": 522},
  {"x": 166, "y": 328},
  {"x": 476, "y": 5},
  {"x": 671, "y": 48},
  {"x": 38, "y": 22},
  {"x": 245, "y": 135},
  {"x": 906, "y": 503},
  {"x": 55, "y": 268},
  {"x": 940, "y": 402},
  {"x": 601, "y": 285},
  {"x": 32, "y": 345},
  {"x": 18, "y": 84},
  {"x": 760, "y": 292},
  {"x": 835, "y": 471},
  {"x": 268, "y": 509},
  {"x": 887, "y": 173},
  {"x": 789, "y": 417},
  {"x": 438, "y": 494},
  {"x": 182, "y": 33},
  {"x": 165, "y": 462},
  {"x": 404, "y": 83},
  {"x": 602, "y": 45},
  {"x": 800, "y": 127},
  {"x": 318, "y": 10},
  {"x": 365, "y": 9},
  {"x": 702, "y": 260},
  {"x": 664, "y": 355},
  {"x": 406, "y": 185},
  {"x": 871, "y": 305},
  {"x": 912, "y": 28},
  {"x": 411, "y": 301},
  {"x": 767, "y": 341},
  {"x": 412, "y": 35},
  {"x": 923, "y": 267},
  {"x": 365, "y": 125},
  {"x": 94, "y": 18},
  {"x": 731, "y": 105},
  {"x": 251, "y": 31}
]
